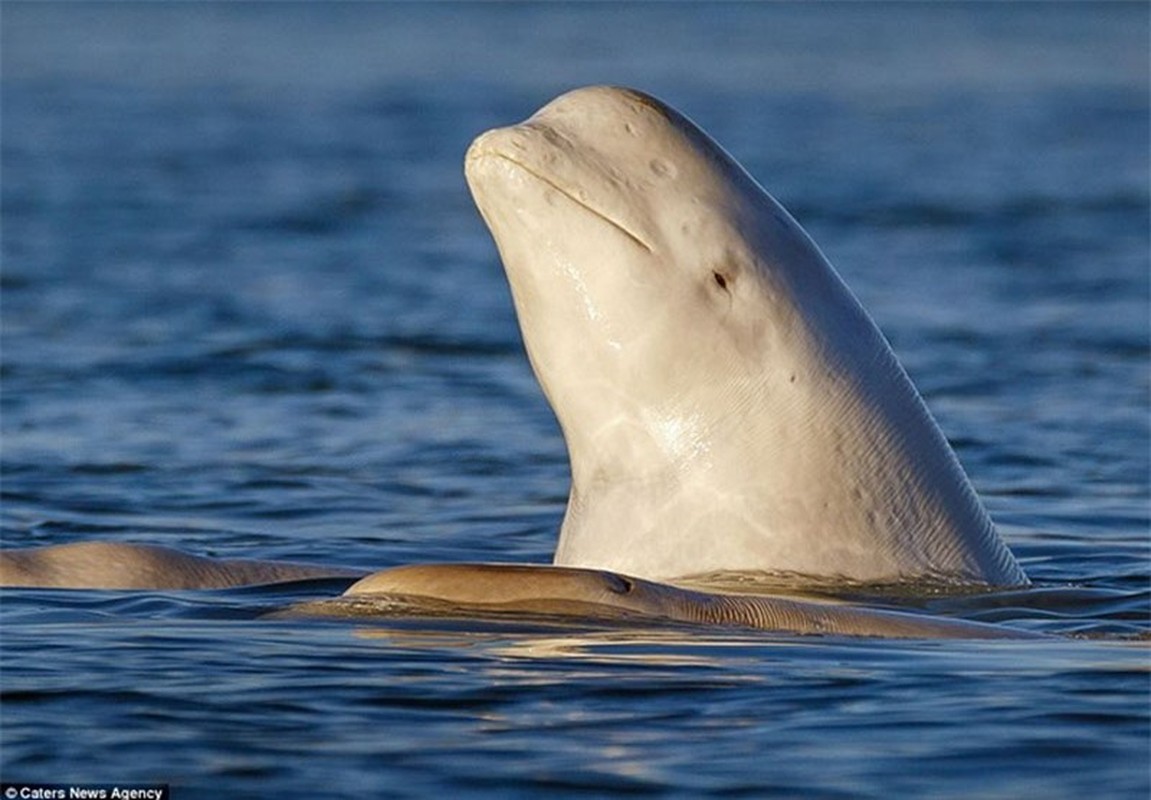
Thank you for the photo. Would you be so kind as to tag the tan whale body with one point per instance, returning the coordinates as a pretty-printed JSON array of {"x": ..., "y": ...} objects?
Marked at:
[
  {"x": 119, "y": 565},
  {"x": 589, "y": 593},
  {"x": 472, "y": 589},
  {"x": 726, "y": 403}
]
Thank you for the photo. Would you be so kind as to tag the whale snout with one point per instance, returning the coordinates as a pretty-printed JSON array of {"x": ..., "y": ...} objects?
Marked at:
[
  {"x": 497, "y": 142},
  {"x": 524, "y": 167}
]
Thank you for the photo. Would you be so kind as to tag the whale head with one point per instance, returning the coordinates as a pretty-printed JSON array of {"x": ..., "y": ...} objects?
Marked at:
[{"x": 726, "y": 402}]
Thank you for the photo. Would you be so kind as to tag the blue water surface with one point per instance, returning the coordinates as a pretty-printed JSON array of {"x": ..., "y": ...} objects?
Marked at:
[{"x": 248, "y": 310}]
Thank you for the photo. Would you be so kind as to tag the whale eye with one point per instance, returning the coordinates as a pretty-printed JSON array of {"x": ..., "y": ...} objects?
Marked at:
[
  {"x": 720, "y": 279},
  {"x": 620, "y": 584}
]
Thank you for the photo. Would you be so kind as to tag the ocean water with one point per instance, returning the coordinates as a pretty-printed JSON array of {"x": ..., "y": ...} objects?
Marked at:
[{"x": 248, "y": 310}]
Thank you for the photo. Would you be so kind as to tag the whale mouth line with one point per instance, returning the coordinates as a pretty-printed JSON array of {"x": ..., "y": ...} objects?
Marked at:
[{"x": 615, "y": 223}]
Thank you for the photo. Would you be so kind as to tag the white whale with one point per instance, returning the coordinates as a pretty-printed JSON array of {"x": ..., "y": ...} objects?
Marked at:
[{"x": 726, "y": 402}]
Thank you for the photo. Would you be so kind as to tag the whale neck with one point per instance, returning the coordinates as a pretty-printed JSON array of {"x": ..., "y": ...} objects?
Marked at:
[{"x": 852, "y": 479}]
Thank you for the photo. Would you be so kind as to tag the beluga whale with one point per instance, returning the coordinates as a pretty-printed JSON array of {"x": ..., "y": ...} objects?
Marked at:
[{"x": 727, "y": 404}]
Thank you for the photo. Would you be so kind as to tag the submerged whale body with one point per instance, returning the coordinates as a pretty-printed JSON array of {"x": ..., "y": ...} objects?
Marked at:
[
  {"x": 119, "y": 565},
  {"x": 502, "y": 589},
  {"x": 726, "y": 403}
]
